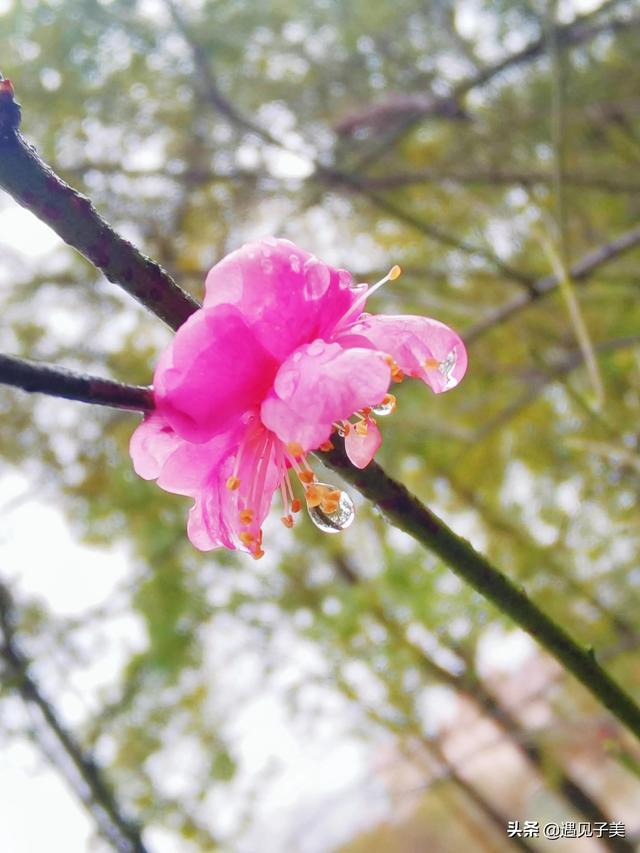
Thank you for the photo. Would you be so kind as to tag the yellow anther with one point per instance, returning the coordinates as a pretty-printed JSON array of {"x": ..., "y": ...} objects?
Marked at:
[
  {"x": 362, "y": 428},
  {"x": 326, "y": 446},
  {"x": 432, "y": 363},
  {"x": 306, "y": 477},
  {"x": 287, "y": 520},
  {"x": 295, "y": 505},
  {"x": 397, "y": 375},
  {"x": 233, "y": 483},
  {"x": 295, "y": 449},
  {"x": 394, "y": 272},
  {"x": 315, "y": 495},
  {"x": 247, "y": 538},
  {"x": 257, "y": 554},
  {"x": 329, "y": 506},
  {"x": 334, "y": 495},
  {"x": 246, "y": 516}
]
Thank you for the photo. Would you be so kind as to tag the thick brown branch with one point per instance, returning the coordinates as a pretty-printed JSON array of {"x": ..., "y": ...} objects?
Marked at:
[
  {"x": 57, "y": 381},
  {"x": 73, "y": 217}
]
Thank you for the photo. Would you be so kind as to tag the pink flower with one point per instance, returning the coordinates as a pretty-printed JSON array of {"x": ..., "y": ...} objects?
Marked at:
[{"x": 280, "y": 356}]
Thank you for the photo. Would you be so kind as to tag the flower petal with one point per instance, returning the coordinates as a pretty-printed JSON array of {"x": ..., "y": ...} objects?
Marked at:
[
  {"x": 151, "y": 445},
  {"x": 362, "y": 448},
  {"x": 319, "y": 384},
  {"x": 420, "y": 346},
  {"x": 214, "y": 371},
  {"x": 286, "y": 295}
]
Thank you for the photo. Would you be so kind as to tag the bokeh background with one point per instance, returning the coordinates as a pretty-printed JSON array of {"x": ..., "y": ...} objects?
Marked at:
[{"x": 346, "y": 693}]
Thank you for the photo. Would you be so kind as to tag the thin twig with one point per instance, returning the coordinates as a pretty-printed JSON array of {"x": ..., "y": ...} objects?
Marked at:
[
  {"x": 579, "y": 31},
  {"x": 96, "y": 793},
  {"x": 580, "y": 272}
]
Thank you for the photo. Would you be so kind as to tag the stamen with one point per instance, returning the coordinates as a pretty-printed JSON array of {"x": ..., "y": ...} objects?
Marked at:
[
  {"x": 295, "y": 449},
  {"x": 362, "y": 428},
  {"x": 287, "y": 520},
  {"x": 431, "y": 364},
  {"x": 392, "y": 275},
  {"x": 233, "y": 483},
  {"x": 306, "y": 477},
  {"x": 295, "y": 505},
  {"x": 246, "y": 516}
]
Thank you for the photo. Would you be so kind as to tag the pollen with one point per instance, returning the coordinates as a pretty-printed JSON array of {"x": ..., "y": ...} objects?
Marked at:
[
  {"x": 247, "y": 538},
  {"x": 306, "y": 477},
  {"x": 287, "y": 520},
  {"x": 246, "y": 516},
  {"x": 295, "y": 505},
  {"x": 361, "y": 428},
  {"x": 257, "y": 554},
  {"x": 233, "y": 483},
  {"x": 295, "y": 449},
  {"x": 432, "y": 364},
  {"x": 394, "y": 272}
]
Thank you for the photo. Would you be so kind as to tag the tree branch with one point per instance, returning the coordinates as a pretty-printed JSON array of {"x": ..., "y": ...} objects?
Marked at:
[
  {"x": 33, "y": 376},
  {"x": 402, "y": 508},
  {"x": 579, "y": 31},
  {"x": 498, "y": 177},
  {"x": 406, "y": 512},
  {"x": 579, "y": 272},
  {"x": 96, "y": 794},
  {"x": 74, "y": 218}
]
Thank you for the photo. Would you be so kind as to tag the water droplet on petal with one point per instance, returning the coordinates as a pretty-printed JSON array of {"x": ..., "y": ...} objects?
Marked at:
[
  {"x": 385, "y": 407},
  {"x": 316, "y": 347},
  {"x": 339, "y": 519},
  {"x": 294, "y": 261},
  {"x": 446, "y": 368},
  {"x": 317, "y": 279},
  {"x": 345, "y": 278}
]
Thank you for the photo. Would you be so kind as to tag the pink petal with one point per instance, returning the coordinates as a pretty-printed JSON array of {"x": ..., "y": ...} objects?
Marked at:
[
  {"x": 319, "y": 384},
  {"x": 420, "y": 346},
  {"x": 202, "y": 471},
  {"x": 362, "y": 448},
  {"x": 213, "y": 372},
  {"x": 286, "y": 295},
  {"x": 151, "y": 445}
]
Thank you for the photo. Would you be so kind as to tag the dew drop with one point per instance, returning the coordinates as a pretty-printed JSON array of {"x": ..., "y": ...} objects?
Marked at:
[
  {"x": 446, "y": 368},
  {"x": 317, "y": 279},
  {"x": 386, "y": 407},
  {"x": 345, "y": 279},
  {"x": 333, "y": 522}
]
